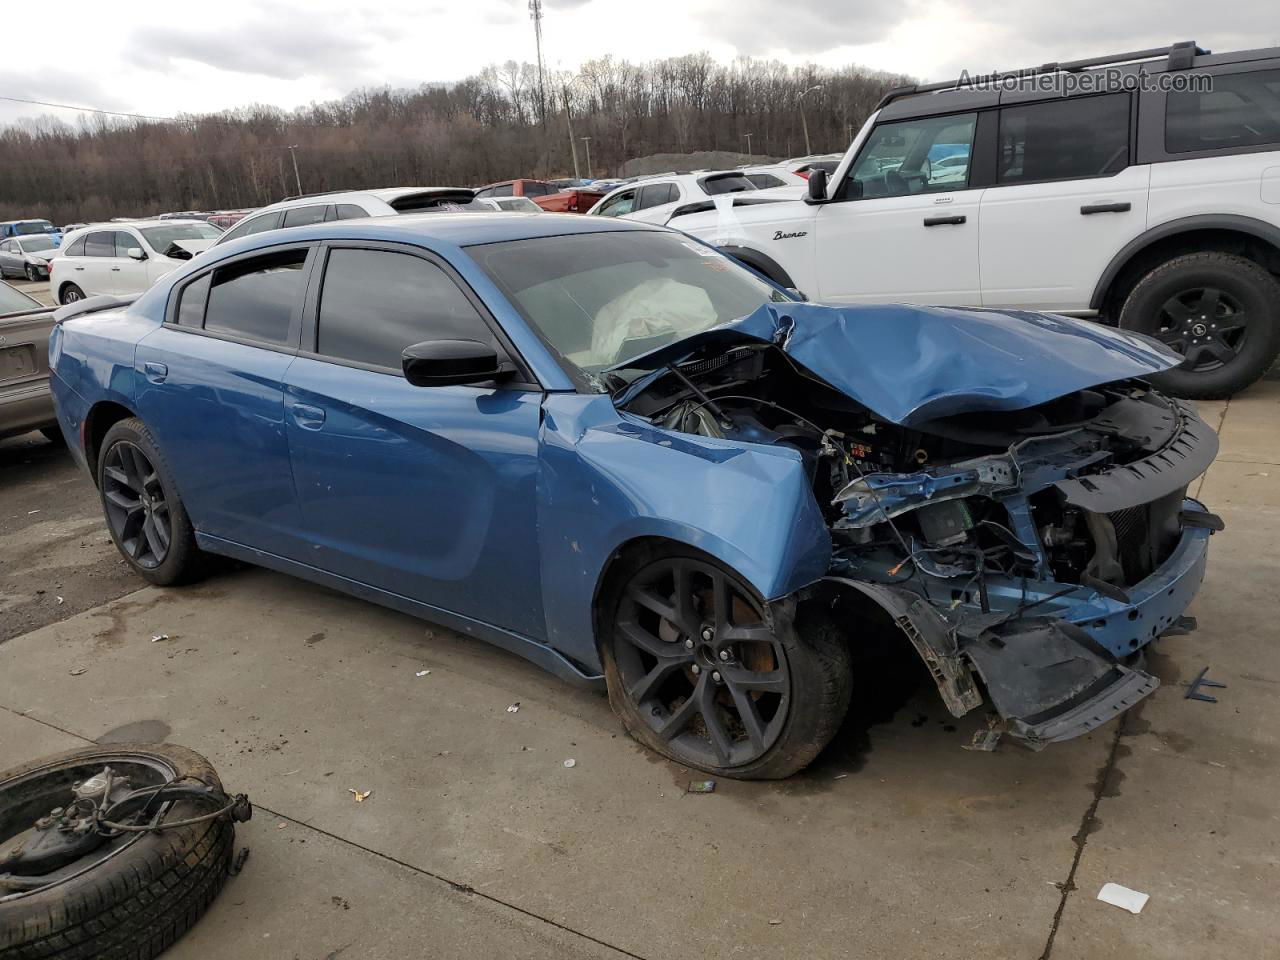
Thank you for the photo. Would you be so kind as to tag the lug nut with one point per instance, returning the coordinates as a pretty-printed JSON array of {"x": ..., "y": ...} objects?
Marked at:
[
  {"x": 696, "y": 669},
  {"x": 715, "y": 675},
  {"x": 688, "y": 644},
  {"x": 707, "y": 633},
  {"x": 725, "y": 655}
]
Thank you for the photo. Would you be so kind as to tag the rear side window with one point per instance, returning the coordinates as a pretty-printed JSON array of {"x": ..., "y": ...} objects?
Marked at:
[
  {"x": 256, "y": 298},
  {"x": 735, "y": 183},
  {"x": 764, "y": 181},
  {"x": 1242, "y": 110},
  {"x": 251, "y": 225},
  {"x": 1064, "y": 139},
  {"x": 503, "y": 190},
  {"x": 301, "y": 216},
  {"x": 535, "y": 188},
  {"x": 100, "y": 245},
  {"x": 191, "y": 306},
  {"x": 349, "y": 211},
  {"x": 374, "y": 303},
  {"x": 76, "y": 249},
  {"x": 657, "y": 194}
]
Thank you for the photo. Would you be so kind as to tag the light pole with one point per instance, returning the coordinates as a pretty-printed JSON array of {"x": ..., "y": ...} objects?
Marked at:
[
  {"x": 587, "y": 141},
  {"x": 803, "y": 120},
  {"x": 748, "y": 136},
  {"x": 296, "y": 179}
]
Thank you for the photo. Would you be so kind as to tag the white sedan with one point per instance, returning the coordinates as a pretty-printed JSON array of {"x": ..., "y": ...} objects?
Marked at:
[{"x": 124, "y": 258}]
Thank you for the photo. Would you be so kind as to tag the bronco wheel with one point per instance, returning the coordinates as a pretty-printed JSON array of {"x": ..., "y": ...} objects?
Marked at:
[
  {"x": 702, "y": 671},
  {"x": 1221, "y": 312},
  {"x": 70, "y": 294},
  {"x": 73, "y": 887},
  {"x": 144, "y": 512}
]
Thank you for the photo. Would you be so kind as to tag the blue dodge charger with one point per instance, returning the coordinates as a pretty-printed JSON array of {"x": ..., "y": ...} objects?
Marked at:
[{"x": 606, "y": 447}]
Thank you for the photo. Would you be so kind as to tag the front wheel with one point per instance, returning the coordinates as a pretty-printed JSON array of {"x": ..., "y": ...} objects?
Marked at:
[
  {"x": 145, "y": 515},
  {"x": 32, "y": 274},
  {"x": 1220, "y": 311},
  {"x": 704, "y": 673}
]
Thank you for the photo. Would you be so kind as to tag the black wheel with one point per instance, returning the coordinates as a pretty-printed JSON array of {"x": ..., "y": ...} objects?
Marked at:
[
  {"x": 70, "y": 294},
  {"x": 127, "y": 897},
  {"x": 704, "y": 673},
  {"x": 144, "y": 512},
  {"x": 32, "y": 274},
  {"x": 1221, "y": 312}
]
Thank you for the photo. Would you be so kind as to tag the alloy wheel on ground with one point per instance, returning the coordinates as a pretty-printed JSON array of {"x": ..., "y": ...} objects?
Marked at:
[
  {"x": 700, "y": 664},
  {"x": 136, "y": 506}
]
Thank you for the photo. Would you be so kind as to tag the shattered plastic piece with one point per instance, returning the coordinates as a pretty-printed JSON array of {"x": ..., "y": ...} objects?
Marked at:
[
  {"x": 1123, "y": 897},
  {"x": 281, "y": 825},
  {"x": 360, "y": 795},
  {"x": 774, "y": 923},
  {"x": 983, "y": 740},
  {"x": 571, "y": 762},
  {"x": 60, "y": 600},
  {"x": 79, "y": 670},
  {"x": 159, "y": 636},
  {"x": 702, "y": 786},
  {"x": 839, "y": 776},
  {"x": 514, "y": 708},
  {"x": 422, "y": 673}
]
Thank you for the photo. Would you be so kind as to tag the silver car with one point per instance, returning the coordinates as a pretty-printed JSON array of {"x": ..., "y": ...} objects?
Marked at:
[{"x": 27, "y": 256}]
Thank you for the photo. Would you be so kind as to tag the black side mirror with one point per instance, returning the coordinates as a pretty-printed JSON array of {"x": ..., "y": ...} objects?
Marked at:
[
  {"x": 817, "y": 185},
  {"x": 442, "y": 363}
]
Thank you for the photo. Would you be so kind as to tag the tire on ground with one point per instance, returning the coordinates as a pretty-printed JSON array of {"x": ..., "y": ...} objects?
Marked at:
[
  {"x": 821, "y": 672},
  {"x": 136, "y": 904},
  {"x": 1257, "y": 290},
  {"x": 184, "y": 562}
]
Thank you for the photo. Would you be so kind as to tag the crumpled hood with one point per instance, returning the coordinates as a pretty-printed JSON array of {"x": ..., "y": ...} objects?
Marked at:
[{"x": 910, "y": 364}]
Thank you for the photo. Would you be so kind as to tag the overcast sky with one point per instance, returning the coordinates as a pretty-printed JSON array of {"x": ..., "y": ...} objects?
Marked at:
[{"x": 160, "y": 57}]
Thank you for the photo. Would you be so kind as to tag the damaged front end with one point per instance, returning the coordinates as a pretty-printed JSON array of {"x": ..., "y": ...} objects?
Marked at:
[{"x": 1028, "y": 547}]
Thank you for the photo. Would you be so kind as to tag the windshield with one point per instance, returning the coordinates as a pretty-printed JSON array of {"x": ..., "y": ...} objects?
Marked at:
[
  {"x": 33, "y": 244},
  {"x": 161, "y": 238},
  {"x": 11, "y": 301},
  {"x": 32, "y": 226},
  {"x": 601, "y": 299}
]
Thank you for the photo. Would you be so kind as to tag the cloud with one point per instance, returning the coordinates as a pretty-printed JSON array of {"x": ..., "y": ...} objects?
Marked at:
[{"x": 764, "y": 27}]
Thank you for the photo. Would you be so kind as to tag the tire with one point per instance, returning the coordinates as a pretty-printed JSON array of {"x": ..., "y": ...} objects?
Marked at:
[
  {"x": 136, "y": 903},
  {"x": 31, "y": 273},
  {"x": 794, "y": 719},
  {"x": 70, "y": 294},
  {"x": 1220, "y": 311},
  {"x": 181, "y": 561}
]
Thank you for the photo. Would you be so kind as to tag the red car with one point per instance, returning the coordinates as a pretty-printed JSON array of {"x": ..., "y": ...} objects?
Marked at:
[{"x": 573, "y": 200}]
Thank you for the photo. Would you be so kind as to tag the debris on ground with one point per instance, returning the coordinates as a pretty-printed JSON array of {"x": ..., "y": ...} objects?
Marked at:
[
  {"x": 60, "y": 600},
  {"x": 422, "y": 673},
  {"x": 281, "y": 825},
  {"x": 839, "y": 776},
  {"x": 571, "y": 762},
  {"x": 1123, "y": 897},
  {"x": 76, "y": 671},
  {"x": 1193, "y": 689},
  {"x": 702, "y": 786},
  {"x": 159, "y": 637},
  {"x": 360, "y": 795},
  {"x": 514, "y": 708},
  {"x": 774, "y": 923}
]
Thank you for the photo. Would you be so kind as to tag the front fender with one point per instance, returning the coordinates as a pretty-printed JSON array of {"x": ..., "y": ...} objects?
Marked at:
[{"x": 606, "y": 479}]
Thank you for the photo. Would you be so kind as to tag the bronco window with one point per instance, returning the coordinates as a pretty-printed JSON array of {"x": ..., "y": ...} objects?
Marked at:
[
  {"x": 1064, "y": 139},
  {"x": 255, "y": 298},
  {"x": 374, "y": 303},
  {"x": 1242, "y": 110},
  {"x": 906, "y": 157}
]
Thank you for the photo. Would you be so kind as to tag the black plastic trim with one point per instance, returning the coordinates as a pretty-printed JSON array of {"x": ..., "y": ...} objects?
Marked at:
[{"x": 762, "y": 263}]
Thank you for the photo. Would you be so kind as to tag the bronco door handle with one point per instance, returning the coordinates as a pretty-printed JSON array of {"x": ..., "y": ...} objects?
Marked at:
[
  {"x": 939, "y": 221},
  {"x": 1090, "y": 208},
  {"x": 307, "y": 416},
  {"x": 155, "y": 372}
]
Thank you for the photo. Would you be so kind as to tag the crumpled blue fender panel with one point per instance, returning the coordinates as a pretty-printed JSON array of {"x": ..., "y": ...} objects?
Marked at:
[
  {"x": 607, "y": 478},
  {"x": 910, "y": 364}
]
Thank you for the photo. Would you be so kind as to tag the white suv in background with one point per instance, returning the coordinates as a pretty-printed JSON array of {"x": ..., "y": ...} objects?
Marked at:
[
  {"x": 351, "y": 205},
  {"x": 656, "y": 199},
  {"x": 124, "y": 258},
  {"x": 1141, "y": 190}
]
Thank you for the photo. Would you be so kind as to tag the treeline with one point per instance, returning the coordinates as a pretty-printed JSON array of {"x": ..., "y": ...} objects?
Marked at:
[{"x": 499, "y": 124}]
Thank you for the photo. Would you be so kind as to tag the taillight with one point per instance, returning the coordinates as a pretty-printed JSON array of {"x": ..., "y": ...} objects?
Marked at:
[{"x": 803, "y": 173}]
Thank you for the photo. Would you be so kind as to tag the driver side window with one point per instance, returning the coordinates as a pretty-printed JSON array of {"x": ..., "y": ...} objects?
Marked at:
[{"x": 906, "y": 157}]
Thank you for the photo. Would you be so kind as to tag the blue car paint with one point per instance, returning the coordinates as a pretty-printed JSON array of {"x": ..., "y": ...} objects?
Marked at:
[
  {"x": 598, "y": 478},
  {"x": 911, "y": 364}
]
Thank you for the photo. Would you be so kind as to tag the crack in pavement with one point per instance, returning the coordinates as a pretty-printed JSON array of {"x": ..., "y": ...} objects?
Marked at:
[
  {"x": 1082, "y": 835},
  {"x": 457, "y": 887}
]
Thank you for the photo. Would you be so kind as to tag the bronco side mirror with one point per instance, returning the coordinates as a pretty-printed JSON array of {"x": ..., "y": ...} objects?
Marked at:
[
  {"x": 442, "y": 363},
  {"x": 817, "y": 185}
]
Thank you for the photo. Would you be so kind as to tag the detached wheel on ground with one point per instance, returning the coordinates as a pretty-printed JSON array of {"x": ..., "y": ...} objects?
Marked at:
[
  {"x": 700, "y": 670},
  {"x": 70, "y": 294},
  {"x": 1220, "y": 311},
  {"x": 68, "y": 894},
  {"x": 144, "y": 511}
]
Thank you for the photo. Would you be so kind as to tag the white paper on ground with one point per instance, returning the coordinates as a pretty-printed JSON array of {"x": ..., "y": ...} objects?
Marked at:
[{"x": 1123, "y": 897}]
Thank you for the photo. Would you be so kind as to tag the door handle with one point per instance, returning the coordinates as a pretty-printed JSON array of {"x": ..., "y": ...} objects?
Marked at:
[
  {"x": 115, "y": 269},
  {"x": 155, "y": 372},
  {"x": 81, "y": 269},
  {"x": 307, "y": 416},
  {"x": 1091, "y": 208},
  {"x": 940, "y": 221}
]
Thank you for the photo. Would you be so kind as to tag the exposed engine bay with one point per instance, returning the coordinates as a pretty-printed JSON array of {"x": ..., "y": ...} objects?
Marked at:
[{"x": 1031, "y": 539}]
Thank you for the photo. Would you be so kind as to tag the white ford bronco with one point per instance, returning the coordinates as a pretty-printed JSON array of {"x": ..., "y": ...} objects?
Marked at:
[{"x": 1141, "y": 189}]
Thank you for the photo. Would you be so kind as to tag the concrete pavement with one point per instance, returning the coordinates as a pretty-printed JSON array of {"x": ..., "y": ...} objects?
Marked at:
[{"x": 478, "y": 841}]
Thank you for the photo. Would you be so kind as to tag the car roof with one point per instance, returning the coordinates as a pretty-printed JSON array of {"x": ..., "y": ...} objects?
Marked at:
[{"x": 385, "y": 194}]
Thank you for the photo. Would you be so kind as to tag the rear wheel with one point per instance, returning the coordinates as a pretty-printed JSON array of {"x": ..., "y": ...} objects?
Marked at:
[
  {"x": 704, "y": 673},
  {"x": 1220, "y": 311},
  {"x": 145, "y": 514},
  {"x": 70, "y": 294}
]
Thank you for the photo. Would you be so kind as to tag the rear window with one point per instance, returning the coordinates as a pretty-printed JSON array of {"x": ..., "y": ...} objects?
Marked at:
[
  {"x": 1242, "y": 110},
  {"x": 1064, "y": 139},
  {"x": 256, "y": 298}
]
